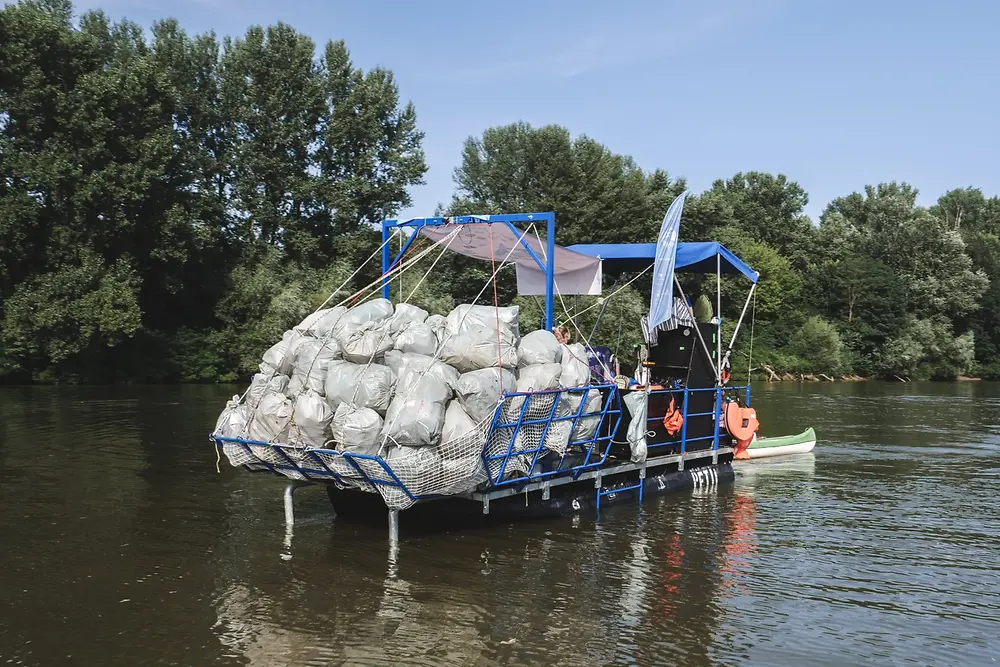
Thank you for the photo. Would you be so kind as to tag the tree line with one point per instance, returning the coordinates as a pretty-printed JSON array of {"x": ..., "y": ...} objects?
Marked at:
[{"x": 170, "y": 203}]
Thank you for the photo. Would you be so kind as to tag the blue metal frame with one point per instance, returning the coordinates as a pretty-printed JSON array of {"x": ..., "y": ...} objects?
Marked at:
[{"x": 508, "y": 219}]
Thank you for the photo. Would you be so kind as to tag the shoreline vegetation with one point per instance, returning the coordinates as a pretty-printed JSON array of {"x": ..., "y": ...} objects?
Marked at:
[{"x": 171, "y": 203}]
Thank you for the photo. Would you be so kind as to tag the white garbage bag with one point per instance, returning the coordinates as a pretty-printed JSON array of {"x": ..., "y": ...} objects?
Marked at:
[
  {"x": 471, "y": 318},
  {"x": 356, "y": 430},
  {"x": 416, "y": 415},
  {"x": 368, "y": 342},
  {"x": 310, "y": 365},
  {"x": 412, "y": 366},
  {"x": 281, "y": 355},
  {"x": 569, "y": 406},
  {"x": 263, "y": 383},
  {"x": 538, "y": 377},
  {"x": 479, "y": 391},
  {"x": 270, "y": 420},
  {"x": 439, "y": 325},
  {"x": 321, "y": 323},
  {"x": 370, "y": 311},
  {"x": 474, "y": 349},
  {"x": 575, "y": 365},
  {"x": 233, "y": 420},
  {"x": 539, "y": 347},
  {"x": 364, "y": 386},
  {"x": 310, "y": 422},
  {"x": 405, "y": 315},
  {"x": 418, "y": 338},
  {"x": 418, "y": 468},
  {"x": 457, "y": 422},
  {"x": 638, "y": 406}
]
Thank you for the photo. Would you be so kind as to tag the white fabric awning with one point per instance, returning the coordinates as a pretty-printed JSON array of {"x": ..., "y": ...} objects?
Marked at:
[{"x": 575, "y": 273}]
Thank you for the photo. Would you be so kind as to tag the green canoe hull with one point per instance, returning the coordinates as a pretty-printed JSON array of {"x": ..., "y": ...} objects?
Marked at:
[{"x": 800, "y": 443}]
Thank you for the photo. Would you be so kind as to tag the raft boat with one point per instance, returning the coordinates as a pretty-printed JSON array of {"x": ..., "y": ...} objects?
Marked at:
[
  {"x": 667, "y": 421},
  {"x": 801, "y": 443}
]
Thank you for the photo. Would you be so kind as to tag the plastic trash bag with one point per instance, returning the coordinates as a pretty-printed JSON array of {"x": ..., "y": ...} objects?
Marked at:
[
  {"x": 538, "y": 377},
  {"x": 539, "y": 347},
  {"x": 263, "y": 383},
  {"x": 269, "y": 422},
  {"x": 310, "y": 422},
  {"x": 569, "y": 406},
  {"x": 356, "y": 430},
  {"x": 637, "y": 403},
  {"x": 457, "y": 422},
  {"x": 233, "y": 420},
  {"x": 364, "y": 386},
  {"x": 281, "y": 355},
  {"x": 416, "y": 415},
  {"x": 310, "y": 365},
  {"x": 467, "y": 317},
  {"x": 405, "y": 315},
  {"x": 370, "y": 311},
  {"x": 410, "y": 366},
  {"x": 439, "y": 325},
  {"x": 474, "y": 349},
  {"x": 320, "y": 324},
  {"x": 368, "y": 342},
  {"x": 575, "y": 366},
  {"x": 418, "y": 338},
  {"x": 479, "y": 391}
]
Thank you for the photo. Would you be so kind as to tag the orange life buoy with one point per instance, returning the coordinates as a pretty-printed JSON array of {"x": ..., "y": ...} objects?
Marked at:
[
  {"x": 673, "y": 420},
  {"x": 742, "y": 424}
]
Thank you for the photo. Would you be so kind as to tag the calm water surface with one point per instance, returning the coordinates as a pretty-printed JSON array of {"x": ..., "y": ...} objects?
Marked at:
[{"x": 121, "y": 545}]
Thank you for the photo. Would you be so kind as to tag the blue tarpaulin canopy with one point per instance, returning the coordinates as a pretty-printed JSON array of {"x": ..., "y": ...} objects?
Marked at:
[{"x": 699, "y": 257}]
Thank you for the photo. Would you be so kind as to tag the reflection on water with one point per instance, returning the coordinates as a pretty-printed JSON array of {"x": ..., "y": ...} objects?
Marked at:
[{"x": 122, "y": 546}]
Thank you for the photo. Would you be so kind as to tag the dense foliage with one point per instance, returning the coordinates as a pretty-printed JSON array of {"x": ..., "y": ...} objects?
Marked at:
[{"x": 169, "y": 204}]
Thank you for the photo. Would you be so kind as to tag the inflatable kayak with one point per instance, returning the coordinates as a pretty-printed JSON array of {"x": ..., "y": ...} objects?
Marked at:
[{"x": 782, "y": 445}]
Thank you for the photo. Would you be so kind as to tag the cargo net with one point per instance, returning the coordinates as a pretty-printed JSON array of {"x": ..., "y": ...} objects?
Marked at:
[{"x": 530, "y": 426}]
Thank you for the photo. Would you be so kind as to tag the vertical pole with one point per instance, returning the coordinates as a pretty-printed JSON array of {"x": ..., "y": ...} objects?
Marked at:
[
  {"x": 718, "y": 415},
  {"x": 385, "y": 260},
  {"x": 718, "y": 312},
  {"x": 684, "y": 429},
  {"x": 550, "y": 270},
  {"x": 289, "y": 505},
  {"x": 746, "y": 401},
  {"x": 393, "y": 527}
]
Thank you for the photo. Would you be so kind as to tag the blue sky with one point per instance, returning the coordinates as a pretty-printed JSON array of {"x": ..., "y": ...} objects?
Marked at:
[{"x": 834, "y": 93}]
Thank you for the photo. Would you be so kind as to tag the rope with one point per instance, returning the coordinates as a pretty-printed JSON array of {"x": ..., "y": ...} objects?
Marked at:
[
  {"x": 496, "y": 303},
  {"x": 599, "y": 301}
]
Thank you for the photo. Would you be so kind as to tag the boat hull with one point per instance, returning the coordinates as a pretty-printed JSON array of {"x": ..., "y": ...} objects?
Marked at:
[{"x": 801, "y": 443}]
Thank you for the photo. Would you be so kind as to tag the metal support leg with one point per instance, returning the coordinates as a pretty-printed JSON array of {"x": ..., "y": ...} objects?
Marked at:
[
  {"x": 393, "y": 527},
  {"x": 289, "y": 506}
]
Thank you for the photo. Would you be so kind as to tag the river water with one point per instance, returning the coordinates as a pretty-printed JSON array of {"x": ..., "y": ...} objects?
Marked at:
[{"x": 121, "y": 545}]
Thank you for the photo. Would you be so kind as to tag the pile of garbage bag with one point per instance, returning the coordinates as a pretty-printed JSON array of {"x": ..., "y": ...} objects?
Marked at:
[{"x": 417, "y": 391}]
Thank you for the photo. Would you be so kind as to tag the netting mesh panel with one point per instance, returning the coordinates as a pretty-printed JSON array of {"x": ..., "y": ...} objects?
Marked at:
[
  {"x": 349, "y": 477},
  {"x": 450, "y": 468},
  {"x": 529, "y": 436},
  {"x": 238, "y": 455}
]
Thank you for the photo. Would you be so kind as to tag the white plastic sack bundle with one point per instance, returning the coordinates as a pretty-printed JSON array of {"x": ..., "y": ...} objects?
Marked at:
[
  {"x": 470, "y": 318},
  {"x": 638, "y": 407},
  {"x": 310, "y": 423},
  {"x": 418, "y": 468},
  {"x": 439, "y": 325},
  {"x": 364, "y": 386},
  {"x": 405, "y": 315},
  {"x": 263, "y": 383},
  {"x": 370, "y": 341},
  {"x": 321, "y": 323},
  {"x": 539, "y": 347},
  {"x": 457, "y": 422},
  {"x": 538, "y": 377},
  {"x": 474, "y": 349},
  {"x": 370, "y": 311},
  {"x": 412, "y": 366},
  {"x": 269, "y": 422},
  {"x": 233, "y": 420},
  {"x": 575, "y": 366},
  {"x": 418, "y": 338},
  {"x": 569, "y": 406},
  {"x": 416, "y": 415},
  {"x": 281, "y": 355},
  {"x": 479, "y": 391},
  {"x": 356, "y": 430},
  {"x": 310, "y": 365}
]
